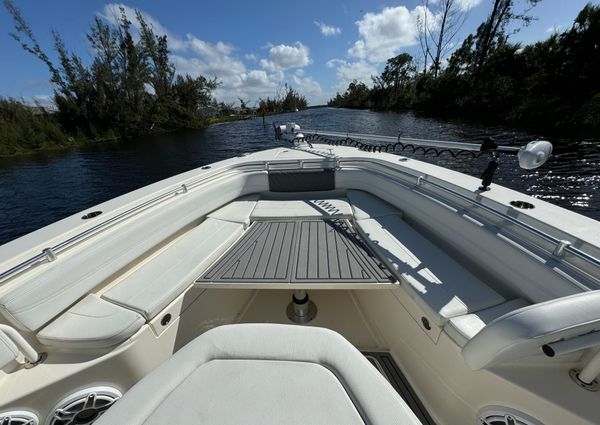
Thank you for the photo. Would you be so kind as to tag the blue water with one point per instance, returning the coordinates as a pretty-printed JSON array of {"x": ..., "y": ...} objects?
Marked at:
[{"x": 40, "y": 189}]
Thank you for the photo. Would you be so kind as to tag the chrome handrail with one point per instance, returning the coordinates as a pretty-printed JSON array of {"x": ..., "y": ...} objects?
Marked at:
[
  {"x": 420, "y": 180},
  {"x": 31, "y": 356},
  {"x": 48, "y": 253},
  {"x": 466, "y": 146}
]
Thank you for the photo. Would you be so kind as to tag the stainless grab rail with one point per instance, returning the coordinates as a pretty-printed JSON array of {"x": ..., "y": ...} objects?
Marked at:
[
  {"x": 466, "y": 146},
  {"x": 420, "y": 180},
  {"x": 48, "y": 254},
  {"x": 31, "y": 356}
]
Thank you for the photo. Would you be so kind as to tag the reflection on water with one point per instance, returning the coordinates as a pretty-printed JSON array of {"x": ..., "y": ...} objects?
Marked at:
[{"x": 38, "y": 190}]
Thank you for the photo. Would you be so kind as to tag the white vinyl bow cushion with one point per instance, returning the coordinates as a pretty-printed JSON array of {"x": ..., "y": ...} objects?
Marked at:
[
  {"x": 301, "y": 208},
  {"x": 91, "y": 323},
  {"x": 150, "y": 288},
  {"x": 439, "y": 285},
  {"x": 263, "y": 374},
  {"x": 524, "y": 331},
  {"x": 237, "y": 211},
  {"x": 462, "y": 328},
  {"x": 366, "y": 206}
]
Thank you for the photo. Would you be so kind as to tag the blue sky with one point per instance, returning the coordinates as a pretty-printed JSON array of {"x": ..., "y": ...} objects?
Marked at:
[{"x": 254, "y": 47}]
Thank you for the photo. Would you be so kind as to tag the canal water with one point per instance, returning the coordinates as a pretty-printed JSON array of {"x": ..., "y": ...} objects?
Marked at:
[{"x": 40, "y": 189}]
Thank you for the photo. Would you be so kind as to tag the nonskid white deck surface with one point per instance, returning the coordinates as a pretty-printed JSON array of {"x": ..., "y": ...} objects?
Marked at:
[{"x": 297, "y": 252}]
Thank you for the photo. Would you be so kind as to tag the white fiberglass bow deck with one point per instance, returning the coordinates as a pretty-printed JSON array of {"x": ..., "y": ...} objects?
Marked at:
[{"x": 455, "y": 305}]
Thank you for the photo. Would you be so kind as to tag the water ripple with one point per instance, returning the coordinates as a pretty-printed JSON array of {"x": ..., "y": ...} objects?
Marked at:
[{"x": 40, "y": 189}]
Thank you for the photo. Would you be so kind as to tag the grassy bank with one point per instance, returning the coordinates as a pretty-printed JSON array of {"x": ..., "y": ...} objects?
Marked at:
[
  {"x": 26, "y": 129},
  {"x": 228, "y": 118}
]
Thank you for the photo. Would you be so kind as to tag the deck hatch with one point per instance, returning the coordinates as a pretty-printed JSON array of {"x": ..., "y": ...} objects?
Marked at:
[{"x": 299, "y": 251}]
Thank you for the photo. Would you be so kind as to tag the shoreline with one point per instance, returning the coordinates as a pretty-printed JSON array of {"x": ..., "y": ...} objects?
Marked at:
[{"x": 78, "y": 144}]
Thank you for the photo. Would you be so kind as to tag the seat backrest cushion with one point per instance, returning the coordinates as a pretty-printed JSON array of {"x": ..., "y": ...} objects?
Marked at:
[
  {"x": 8, "y": 350},
  {"x": 90, "y": 324},
  {"x": 153, "y": 286},
  {"x": 523, "y": 332}
]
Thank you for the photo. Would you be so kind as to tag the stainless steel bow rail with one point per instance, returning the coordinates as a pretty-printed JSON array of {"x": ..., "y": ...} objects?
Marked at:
[
  {"x": 50, "y": 254},
  {"x": 531, "y": 156},
  {"x": 425, "y": 146},
  {"x": 394, "y": 144}
]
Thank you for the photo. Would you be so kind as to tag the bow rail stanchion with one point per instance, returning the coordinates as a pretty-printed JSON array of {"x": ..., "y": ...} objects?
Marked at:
[{"x": 530, "y": 156}]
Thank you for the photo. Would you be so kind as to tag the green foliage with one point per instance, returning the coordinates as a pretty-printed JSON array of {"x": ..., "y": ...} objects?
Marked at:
[
  {"x": 129, "y": 89},
  {"x": 551, "y": 85},
  {"x": 25, "y": 128},
  {"x": 392, "y": 90},
  {"x": 288, "y": 101},
  {"x": 357, "y": 96}
]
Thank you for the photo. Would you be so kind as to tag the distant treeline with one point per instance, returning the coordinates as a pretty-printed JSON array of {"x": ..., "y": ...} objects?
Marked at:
[
  {"x": 24, "y": 128},
  {"x": 552, "y": 85},
  {"x": 130, "y": 88},
  {"x": 288, "y": 101}
]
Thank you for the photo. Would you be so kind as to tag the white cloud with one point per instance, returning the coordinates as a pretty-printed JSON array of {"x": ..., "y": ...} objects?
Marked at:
[
  {"x": 208, "y": 59},
  {"x": 284, "y": 56},
  {"x": 202, "y": 47},
  {"x": 112, "y": 14},
  {"x": 465, "y": 5},
  {"x": 256, "y": 79},
  {"x": 43, "y": 100},
  {"x": 334, "y": 63},
  {"x": 308, "y": 87},
  {"x": 554, "y": 29},
  {"x": 268, "y": 65},
  {"x": 195, "y": 57},
  {"x": 347, "y": 72},
  {"x": 382, "y": 35},
  {"x": 328, "y": 30}
]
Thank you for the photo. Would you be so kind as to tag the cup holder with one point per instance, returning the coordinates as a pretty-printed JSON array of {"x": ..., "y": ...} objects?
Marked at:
[
  {"x": 524, "y": 205},
  {"x": 91, "y": 215}
]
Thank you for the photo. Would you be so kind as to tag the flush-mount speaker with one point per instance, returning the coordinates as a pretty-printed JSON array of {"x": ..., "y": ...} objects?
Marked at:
[
  {"x": 500, "y": 415},
  {"x": 83, "y": 407},
  {"x": 18, "y": 417}
]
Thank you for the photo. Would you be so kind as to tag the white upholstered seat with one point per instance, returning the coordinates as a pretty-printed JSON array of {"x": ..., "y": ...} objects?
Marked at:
[
  {"x": 438, "y": 284},
  {"x": 263, "y": 374},
  {"x": 301, "y": 208},
  {"x": 522, "y": 332},
  {"x": 365, "y": 205},
  {"x": 237, "y": 211},
  {"x": 462, "y": 328},
  {"x": 91, "y": 323},
  {"x": 153, "y": 286}
]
